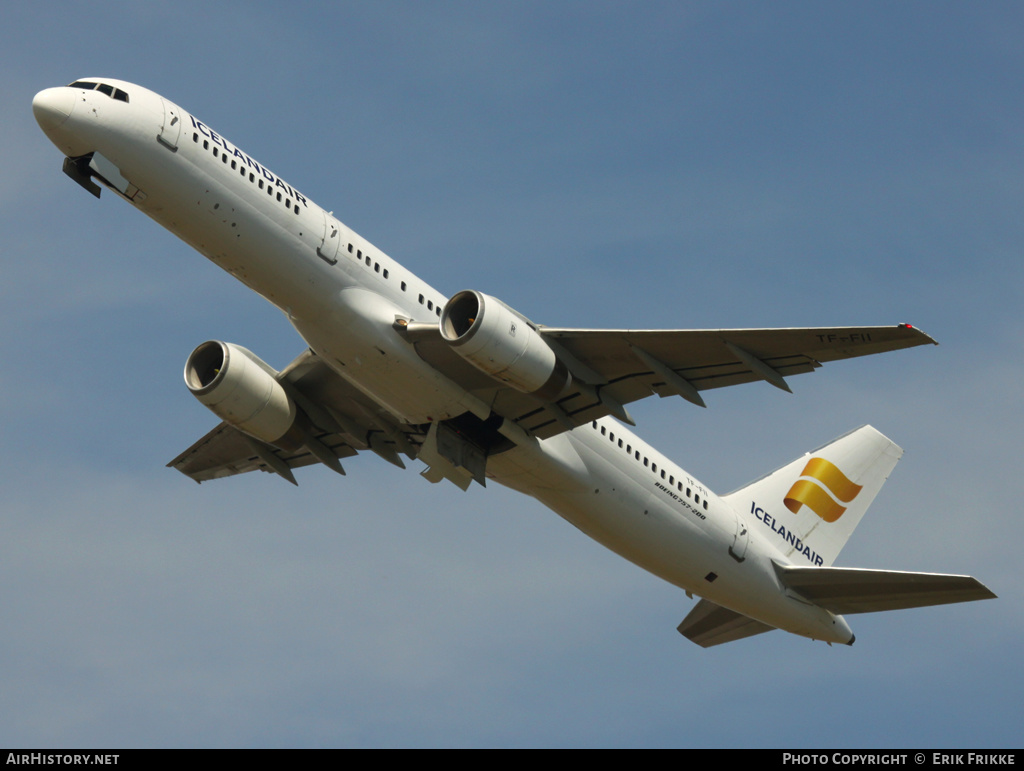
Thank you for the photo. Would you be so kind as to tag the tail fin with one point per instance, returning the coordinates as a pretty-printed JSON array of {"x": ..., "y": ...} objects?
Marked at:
[{"x": 809, "y": 508}]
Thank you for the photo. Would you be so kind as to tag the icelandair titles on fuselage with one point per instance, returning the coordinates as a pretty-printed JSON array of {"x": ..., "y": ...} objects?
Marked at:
[{"x": 217, "y": 139}]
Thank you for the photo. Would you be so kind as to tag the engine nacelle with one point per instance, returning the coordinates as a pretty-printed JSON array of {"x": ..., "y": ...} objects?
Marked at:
[
  {"x": 502, "y": 343},
  {"x": 241, "y": 389}
]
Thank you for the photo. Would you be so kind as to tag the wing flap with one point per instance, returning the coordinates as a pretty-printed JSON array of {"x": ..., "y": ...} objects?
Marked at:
[
  {"x": 709, "y": 624},
  {"x": 855, "y": 590}
]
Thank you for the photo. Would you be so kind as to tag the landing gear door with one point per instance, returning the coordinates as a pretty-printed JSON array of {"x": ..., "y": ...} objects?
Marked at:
[{"x": 170, "y": 130}]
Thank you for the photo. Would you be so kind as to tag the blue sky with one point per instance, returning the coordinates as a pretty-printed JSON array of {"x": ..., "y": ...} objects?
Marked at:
[{"x": 593, "y": 164}]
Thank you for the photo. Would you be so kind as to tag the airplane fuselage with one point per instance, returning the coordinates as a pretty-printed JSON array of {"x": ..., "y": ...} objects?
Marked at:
[{"x": 343, "y": 295}]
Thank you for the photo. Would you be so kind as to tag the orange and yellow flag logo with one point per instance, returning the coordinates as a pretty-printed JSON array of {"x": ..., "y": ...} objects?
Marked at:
[{"x": 818, "y": 476}]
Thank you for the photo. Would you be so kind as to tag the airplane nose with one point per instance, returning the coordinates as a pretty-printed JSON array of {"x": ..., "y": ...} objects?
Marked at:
[{"x": 53, "y": 106}]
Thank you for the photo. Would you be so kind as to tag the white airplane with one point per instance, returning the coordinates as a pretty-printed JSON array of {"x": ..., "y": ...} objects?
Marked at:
[{"x": 476, "y": 391}]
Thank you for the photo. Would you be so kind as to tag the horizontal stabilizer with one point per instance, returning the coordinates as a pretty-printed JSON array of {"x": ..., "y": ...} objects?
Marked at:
[
  {"x": 854, "y": 590},
  {"x": 709, "y": 624}
]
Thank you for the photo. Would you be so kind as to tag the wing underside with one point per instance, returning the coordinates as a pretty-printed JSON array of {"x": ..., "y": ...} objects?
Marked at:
[
  {"x": 612, "y": 368},
  {"x": 226, "y": 451},
  {"x": 343, "y": 423}
]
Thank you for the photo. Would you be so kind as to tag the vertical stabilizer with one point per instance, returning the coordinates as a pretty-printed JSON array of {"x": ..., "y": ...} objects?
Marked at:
[{"x": 809, "y": 508}]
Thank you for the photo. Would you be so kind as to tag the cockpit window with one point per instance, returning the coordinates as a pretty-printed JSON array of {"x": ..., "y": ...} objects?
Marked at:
[{"x": 113, "y": 93}]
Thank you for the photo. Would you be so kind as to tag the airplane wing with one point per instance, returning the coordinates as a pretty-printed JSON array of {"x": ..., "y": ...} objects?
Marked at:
[
  {"x": 344, "y": 423},
  {"x": 709, "y": 624},
  {"x": 612, "y": 367},
  {"x": 855, "y": 590},
  {"x": 226, "y": 451}
]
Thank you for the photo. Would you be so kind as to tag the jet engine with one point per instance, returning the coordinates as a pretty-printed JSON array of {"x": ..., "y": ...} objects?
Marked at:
[
  {"x": 502, "y": 343},
  {"x": 241, "y": 389}
]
